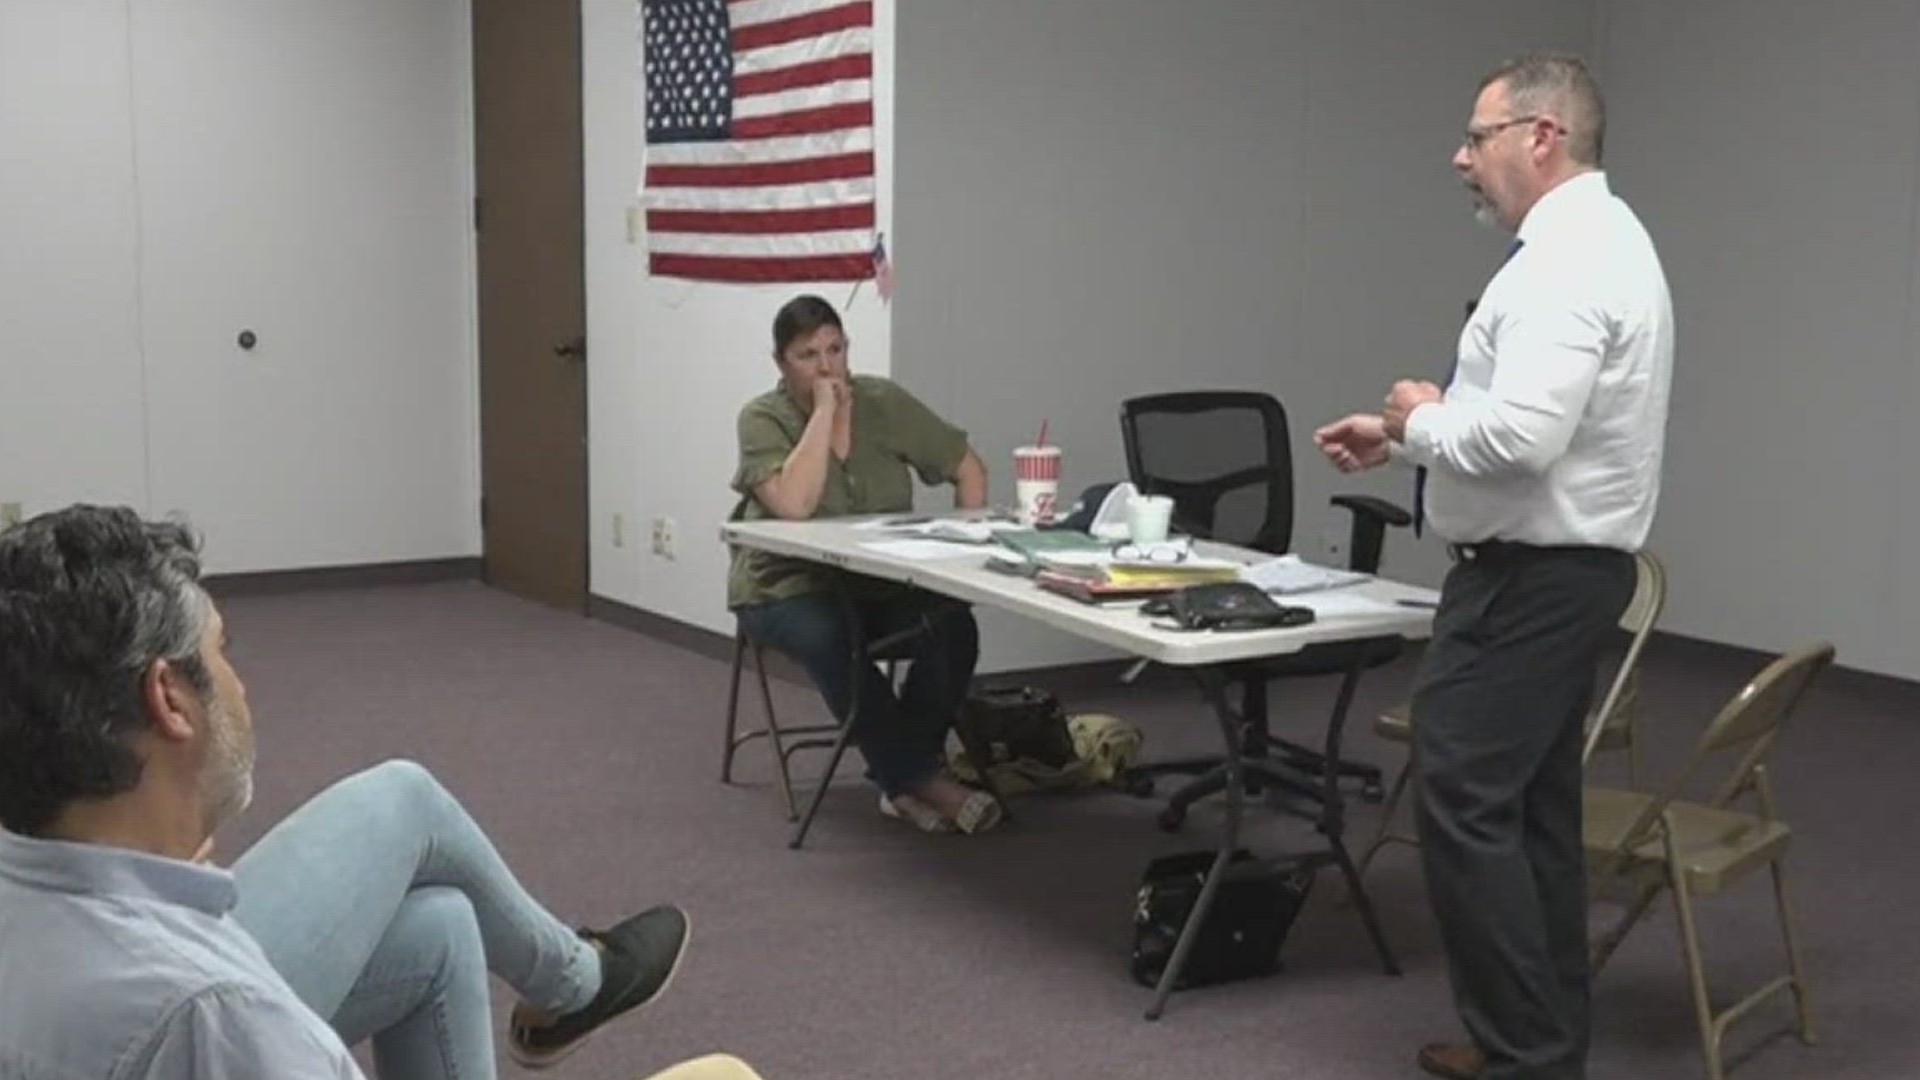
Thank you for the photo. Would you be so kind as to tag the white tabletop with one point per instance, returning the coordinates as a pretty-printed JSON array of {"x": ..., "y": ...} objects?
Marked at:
[{"x": 1373, "y": 608}]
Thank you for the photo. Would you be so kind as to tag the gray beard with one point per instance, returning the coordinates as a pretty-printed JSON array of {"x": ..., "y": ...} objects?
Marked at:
[{"x": 226, "y": 787}]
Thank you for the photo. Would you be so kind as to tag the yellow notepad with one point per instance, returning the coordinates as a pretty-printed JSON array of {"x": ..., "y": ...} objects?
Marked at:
[{"x": 1170, "y": 575}]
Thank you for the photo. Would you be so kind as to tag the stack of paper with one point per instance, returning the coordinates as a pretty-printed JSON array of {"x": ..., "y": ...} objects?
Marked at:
[
  {"x": 1290, "y": 574},
  {"x": 955, "y": 529},
  {"x": 922, "y": 550},
  {"x": 1172, "y": 575},
  {"x": 1094, "y": 578}
]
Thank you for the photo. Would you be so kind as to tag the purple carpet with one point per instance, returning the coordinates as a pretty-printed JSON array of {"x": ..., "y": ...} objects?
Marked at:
[{"x": 591, "y": 754}]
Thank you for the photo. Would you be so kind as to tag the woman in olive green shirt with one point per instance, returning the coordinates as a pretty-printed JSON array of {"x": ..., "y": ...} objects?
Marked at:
[{"x": 822, "y": 444}]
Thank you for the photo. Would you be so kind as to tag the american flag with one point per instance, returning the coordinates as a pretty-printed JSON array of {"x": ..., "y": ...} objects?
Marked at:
[
  {"x": 760, "y": 161},
  {"x": 882, "y": 268}
]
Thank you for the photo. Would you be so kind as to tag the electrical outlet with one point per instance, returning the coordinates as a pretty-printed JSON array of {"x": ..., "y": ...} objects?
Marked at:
[
  {"x": 619, "y": 530},
  {"x": 666, "y": 537},
  {"x": 658, "y": 537},
  {"x": 11, "y": 514},
  {"x": 1333, "y": 543}
]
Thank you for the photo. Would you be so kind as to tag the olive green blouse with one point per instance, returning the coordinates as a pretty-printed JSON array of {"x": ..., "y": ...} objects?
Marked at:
[{"x": 892, "y": 430}]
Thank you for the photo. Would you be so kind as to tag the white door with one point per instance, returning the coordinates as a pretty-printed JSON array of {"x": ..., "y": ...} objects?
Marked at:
[{"x": 304, "y": 178}]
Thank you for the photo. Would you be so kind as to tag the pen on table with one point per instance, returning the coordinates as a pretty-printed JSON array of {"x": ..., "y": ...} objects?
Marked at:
[{"x": 1428, "y": 604}]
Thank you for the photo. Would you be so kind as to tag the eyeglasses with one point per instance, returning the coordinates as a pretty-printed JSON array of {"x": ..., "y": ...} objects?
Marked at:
[
  {"x": 1169, "y": 552},
  {"x": 1474, "y": 137}
]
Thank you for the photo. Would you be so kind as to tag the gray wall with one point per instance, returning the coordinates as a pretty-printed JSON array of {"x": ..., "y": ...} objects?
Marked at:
[
  {"x": 1097, "y": 199},
  {"x": 1773, "y": 146}
]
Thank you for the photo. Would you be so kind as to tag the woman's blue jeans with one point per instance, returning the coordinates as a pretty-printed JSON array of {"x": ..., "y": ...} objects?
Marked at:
[{"x": 902, "y": 737}]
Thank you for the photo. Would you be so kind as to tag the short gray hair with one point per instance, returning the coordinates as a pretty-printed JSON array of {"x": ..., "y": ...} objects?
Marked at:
[
  {"x": 90, "y": 597},
  {"x": 1558, "y": 83}
]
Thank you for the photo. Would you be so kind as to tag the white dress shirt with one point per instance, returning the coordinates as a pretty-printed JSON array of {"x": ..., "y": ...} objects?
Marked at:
[{"x": 1554, "y": 425}]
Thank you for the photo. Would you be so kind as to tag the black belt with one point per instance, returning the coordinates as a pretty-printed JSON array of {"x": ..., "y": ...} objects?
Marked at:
[{"x": 1510, "y": 550}]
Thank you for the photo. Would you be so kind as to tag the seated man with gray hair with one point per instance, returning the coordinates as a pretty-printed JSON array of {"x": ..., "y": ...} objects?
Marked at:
[{"x": 374, "y": 911}]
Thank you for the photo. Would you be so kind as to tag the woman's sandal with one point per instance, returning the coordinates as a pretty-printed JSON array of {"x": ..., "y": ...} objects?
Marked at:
[
  {"x": 916, "y": 812},
  {"x": 979, "y": 813}
]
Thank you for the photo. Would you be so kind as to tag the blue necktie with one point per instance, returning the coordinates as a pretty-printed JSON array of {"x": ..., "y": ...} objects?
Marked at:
[{"x": 1420, "y": 473}]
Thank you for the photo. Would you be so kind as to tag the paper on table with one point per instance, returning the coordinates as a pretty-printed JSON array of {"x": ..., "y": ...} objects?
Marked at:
[
  {"x": 921, "y": 550},
  {"x": 965, "y": 530},
  {"x": 1290, "y": 574},
  {"x": 893, "y": 523},
  {"x": 1334, "y": 605}
]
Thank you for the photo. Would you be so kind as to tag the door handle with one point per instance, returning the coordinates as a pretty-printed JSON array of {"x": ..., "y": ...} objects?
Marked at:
[{"x": 575, "y": 350}]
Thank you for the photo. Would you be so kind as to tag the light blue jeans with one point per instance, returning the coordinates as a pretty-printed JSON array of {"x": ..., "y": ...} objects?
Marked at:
[{"x": 384, "y": 906}]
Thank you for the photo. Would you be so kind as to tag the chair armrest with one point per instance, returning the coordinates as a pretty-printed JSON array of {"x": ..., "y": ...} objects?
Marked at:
[
  {"x": 1371, "y": 516},
  {"x": 1372, "y": 506}
]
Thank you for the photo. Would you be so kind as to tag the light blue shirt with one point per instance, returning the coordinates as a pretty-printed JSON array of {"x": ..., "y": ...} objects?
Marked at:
[{"x": 117, "y": 964}]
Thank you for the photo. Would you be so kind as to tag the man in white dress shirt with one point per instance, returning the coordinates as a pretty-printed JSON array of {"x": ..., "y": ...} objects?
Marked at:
[{"x": 1543, "y": 455}]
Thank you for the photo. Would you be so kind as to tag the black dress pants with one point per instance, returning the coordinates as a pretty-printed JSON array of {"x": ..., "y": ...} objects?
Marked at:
[{"x": 1498, "y": 713}]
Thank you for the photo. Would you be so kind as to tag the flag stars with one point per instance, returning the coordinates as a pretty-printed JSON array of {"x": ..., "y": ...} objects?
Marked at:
[{"x": 688, "y": 64}]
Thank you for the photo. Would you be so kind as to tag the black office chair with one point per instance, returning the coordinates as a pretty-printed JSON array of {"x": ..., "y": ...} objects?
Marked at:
[{"x": 1225, "y": 460}]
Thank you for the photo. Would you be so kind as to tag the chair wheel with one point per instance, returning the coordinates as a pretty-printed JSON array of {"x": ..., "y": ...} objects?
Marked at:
[{"x": 1171, "y": 819}]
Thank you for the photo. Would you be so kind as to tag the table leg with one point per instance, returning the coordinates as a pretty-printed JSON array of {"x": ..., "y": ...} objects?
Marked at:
[
  {"x": 1213, "y": 686},
  {"x": 861, "y": 656},
  {"x": 1333, "y": 821},
  {"x": 858, "y": 659}
]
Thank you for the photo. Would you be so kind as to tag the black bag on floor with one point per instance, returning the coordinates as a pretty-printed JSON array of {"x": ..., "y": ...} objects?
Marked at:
[
  {"x": 1003, "y": 723},
  {"x": 1252, "y": 911}
]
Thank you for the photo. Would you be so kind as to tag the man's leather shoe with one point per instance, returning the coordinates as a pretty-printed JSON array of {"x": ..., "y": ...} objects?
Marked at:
[{"x": 1454, "y": 1061}]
